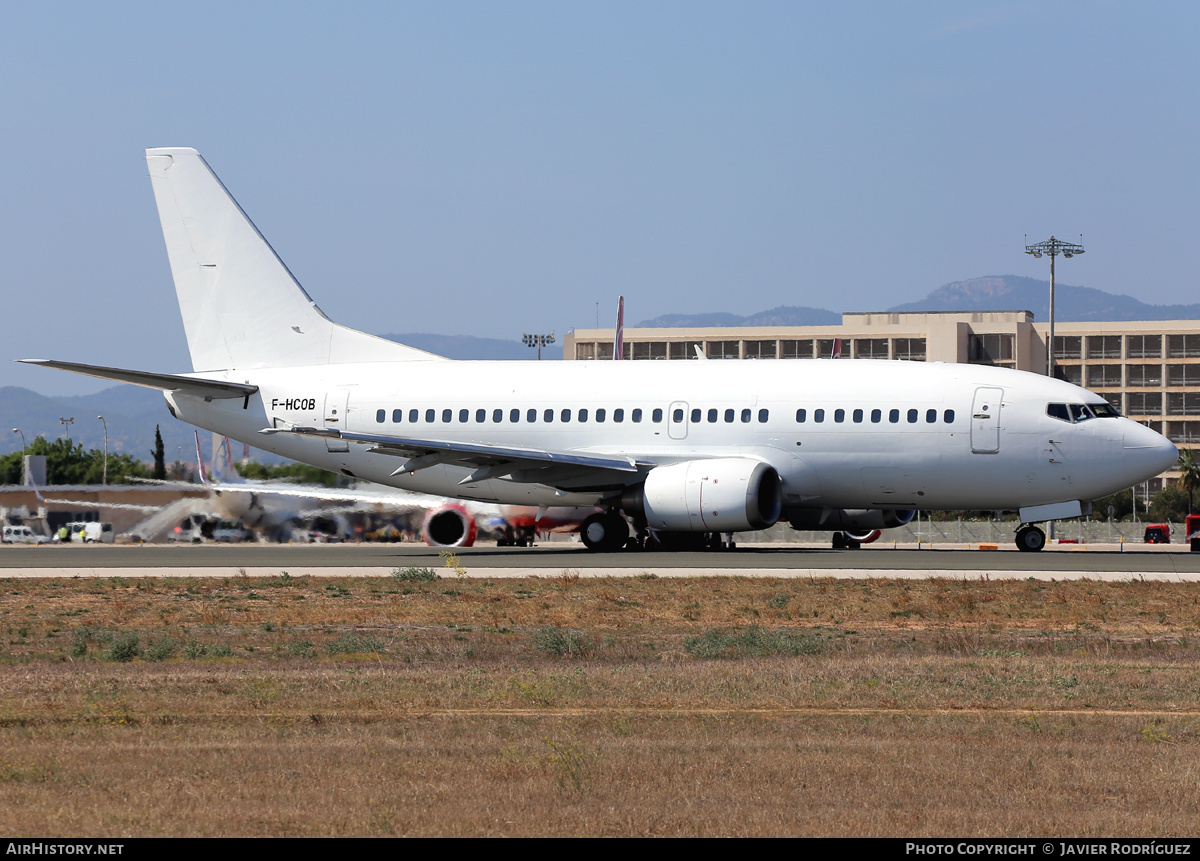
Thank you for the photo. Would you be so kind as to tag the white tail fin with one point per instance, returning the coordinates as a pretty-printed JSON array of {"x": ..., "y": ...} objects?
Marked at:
[{"x": 241, "y": 306}]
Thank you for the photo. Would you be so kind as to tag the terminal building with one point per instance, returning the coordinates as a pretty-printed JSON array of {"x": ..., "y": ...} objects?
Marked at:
[{"x": 1147, "y": 369}]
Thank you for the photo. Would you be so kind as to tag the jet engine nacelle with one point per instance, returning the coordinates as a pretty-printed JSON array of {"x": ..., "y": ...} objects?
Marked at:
[
  {"x": 724, "y": 494},
  {"x": 449, "y": 526},
  {"x": 855, "y": 521}
]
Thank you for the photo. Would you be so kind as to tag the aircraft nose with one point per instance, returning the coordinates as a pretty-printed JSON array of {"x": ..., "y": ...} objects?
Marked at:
[{"x": 1147, "y": 453}]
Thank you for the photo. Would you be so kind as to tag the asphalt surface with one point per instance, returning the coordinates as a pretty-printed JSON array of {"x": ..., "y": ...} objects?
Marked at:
[{"x": 1108, "y": 562}]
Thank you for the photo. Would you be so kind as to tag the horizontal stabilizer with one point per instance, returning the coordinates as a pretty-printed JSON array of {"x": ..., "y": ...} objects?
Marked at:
[{"x": 167, "y": 382}]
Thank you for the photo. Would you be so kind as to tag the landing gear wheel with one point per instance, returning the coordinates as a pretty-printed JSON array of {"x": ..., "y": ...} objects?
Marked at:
[
  {"x": 1030, "y": 539},
  {"x": 604, "y": 533},
  {"x": 844, "y": 541}
]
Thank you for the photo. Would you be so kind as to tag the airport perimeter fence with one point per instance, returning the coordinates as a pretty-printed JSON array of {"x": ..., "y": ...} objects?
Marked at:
[{"x": 937, "y": 532}]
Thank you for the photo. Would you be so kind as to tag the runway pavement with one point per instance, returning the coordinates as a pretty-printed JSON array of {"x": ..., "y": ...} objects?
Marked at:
[{"x": 1101, "y": 562}]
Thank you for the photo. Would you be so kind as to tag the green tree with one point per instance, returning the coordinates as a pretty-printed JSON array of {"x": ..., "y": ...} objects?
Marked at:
[
  {"x": 1121, "y": 502},
  {"x": 68, "y": 463},
  {"x": 1170, "y": 503},
  {"x": 1189, "y": 478},
  {"x": 160, "y": 456}
]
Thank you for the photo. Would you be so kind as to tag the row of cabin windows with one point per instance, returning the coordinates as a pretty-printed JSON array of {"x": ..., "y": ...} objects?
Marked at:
[
  {"x": 857, "y": 416},
  {"x": 713, "y": 415},
  {"x": 582, "y": 415}
]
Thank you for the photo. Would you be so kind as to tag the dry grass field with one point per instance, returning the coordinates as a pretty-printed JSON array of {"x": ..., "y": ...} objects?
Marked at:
[{"x": 566, "y": 706}]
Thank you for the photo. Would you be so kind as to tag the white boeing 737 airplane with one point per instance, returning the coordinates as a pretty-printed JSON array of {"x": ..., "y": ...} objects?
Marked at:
[{"x": 685, "y": 449}]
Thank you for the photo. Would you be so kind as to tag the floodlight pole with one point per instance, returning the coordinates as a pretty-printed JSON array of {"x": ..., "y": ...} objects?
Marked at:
[
  {"x": 538, "y": 341},
  {"x": 1053, "y": 247}
]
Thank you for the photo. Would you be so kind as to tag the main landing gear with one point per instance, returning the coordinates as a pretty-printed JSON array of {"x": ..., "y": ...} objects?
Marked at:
[
  {"x": 605, "y": 532},
  {"x": 1030, "y": 538}
]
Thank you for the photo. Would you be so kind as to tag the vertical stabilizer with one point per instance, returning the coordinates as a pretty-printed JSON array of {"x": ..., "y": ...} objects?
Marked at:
[{"x": 241, "y": 306}]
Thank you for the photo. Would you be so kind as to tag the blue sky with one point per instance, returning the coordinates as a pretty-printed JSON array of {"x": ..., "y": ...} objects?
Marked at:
[{"x": 493, "y": 168}]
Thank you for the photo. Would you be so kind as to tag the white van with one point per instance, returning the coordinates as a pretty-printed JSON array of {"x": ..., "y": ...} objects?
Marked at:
[
  {"x": 91, "y": 532},
  {"x": 23, "y": 535}
]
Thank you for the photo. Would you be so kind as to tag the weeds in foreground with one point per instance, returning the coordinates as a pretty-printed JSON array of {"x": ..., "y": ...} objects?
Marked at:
[
  {"x": 450, "y": 560},
  {"x": 562, "y": 642},
  {"x": 412, "y": 574},
  {"x": 753, "y": 642},
  {"x": 124, "y": 648}
]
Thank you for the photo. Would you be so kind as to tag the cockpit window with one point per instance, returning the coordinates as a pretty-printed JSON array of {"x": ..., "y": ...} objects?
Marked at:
[
  {"x": 1058, "y": 411},
  {"x": 1081, "y": 412}
]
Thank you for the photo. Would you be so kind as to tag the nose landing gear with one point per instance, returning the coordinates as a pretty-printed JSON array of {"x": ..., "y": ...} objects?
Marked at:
[{"x": 1030, "y": 538}]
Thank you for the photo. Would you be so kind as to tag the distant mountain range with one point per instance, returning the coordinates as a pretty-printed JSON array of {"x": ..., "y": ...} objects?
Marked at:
[
  {"x": 1074, "y": 304},
  {"x": 993, "y": 293},
  {"x": 132, "y": 412}
]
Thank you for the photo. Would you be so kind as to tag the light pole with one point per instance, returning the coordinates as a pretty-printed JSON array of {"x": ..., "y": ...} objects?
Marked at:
[
  {"x": 66, "y": 423},
  {"x": 103, "y": 422},
  {"x": 538, "y": 341},
  {"x": 1053, "y": 247}
]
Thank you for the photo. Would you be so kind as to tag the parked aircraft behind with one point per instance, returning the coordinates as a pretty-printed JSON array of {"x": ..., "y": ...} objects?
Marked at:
[{"x": 686, "y": 449}]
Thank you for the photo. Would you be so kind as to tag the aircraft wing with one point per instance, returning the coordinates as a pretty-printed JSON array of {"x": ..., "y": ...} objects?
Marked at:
[
  {"x": 489, "y": 461},
  {"x": 173, "y": 382}
]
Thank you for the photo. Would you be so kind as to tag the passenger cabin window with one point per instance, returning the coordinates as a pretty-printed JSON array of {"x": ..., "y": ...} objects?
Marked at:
[
  {"x": 565, "y": 415},
  {"x": 930, "y": 416},
  {"x": 876, "y": 416},
  {"x": 912, "y": 416},
  {"x": 764, "y": 415},
  {"x": 656, "y": 415},
  {"x": 948, "y": 417},
  {"x": 858, "y": 416},
  {"x": 429, "y": 415},
  {"x": 728, "y": 416},
  {"x": 397, "y": 416},
  {"x": 413, "y": 415},
  {"x": 497, "y": 415},
  {"x": 380, "y": 416},
  {"x": 636, "y": 415},
  {"x": 745, "y": 416},
  {"x": 677, "y": 416},
  {"x": 618, "y": 415},
  {"x": 600, "y": 414},
  {"x": 801, "y": 415},
  {"x": 481, "y": 415},
  {"x": 514, "y": 416},
  {"x": 839, "y": 415},
  {"x": 531, "y": 416},
  {"x": 464, "y": 415},
  {"x": 894, "y": 416},
  {"x": 818, "y": 416},
  {"x": 583, "y": 414},
  {"x": 712, "y": 415},
  {"x": 548, "y": 416},
  {"x": 447, "y": 415},
  {"x": 695, "y": 415}
]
